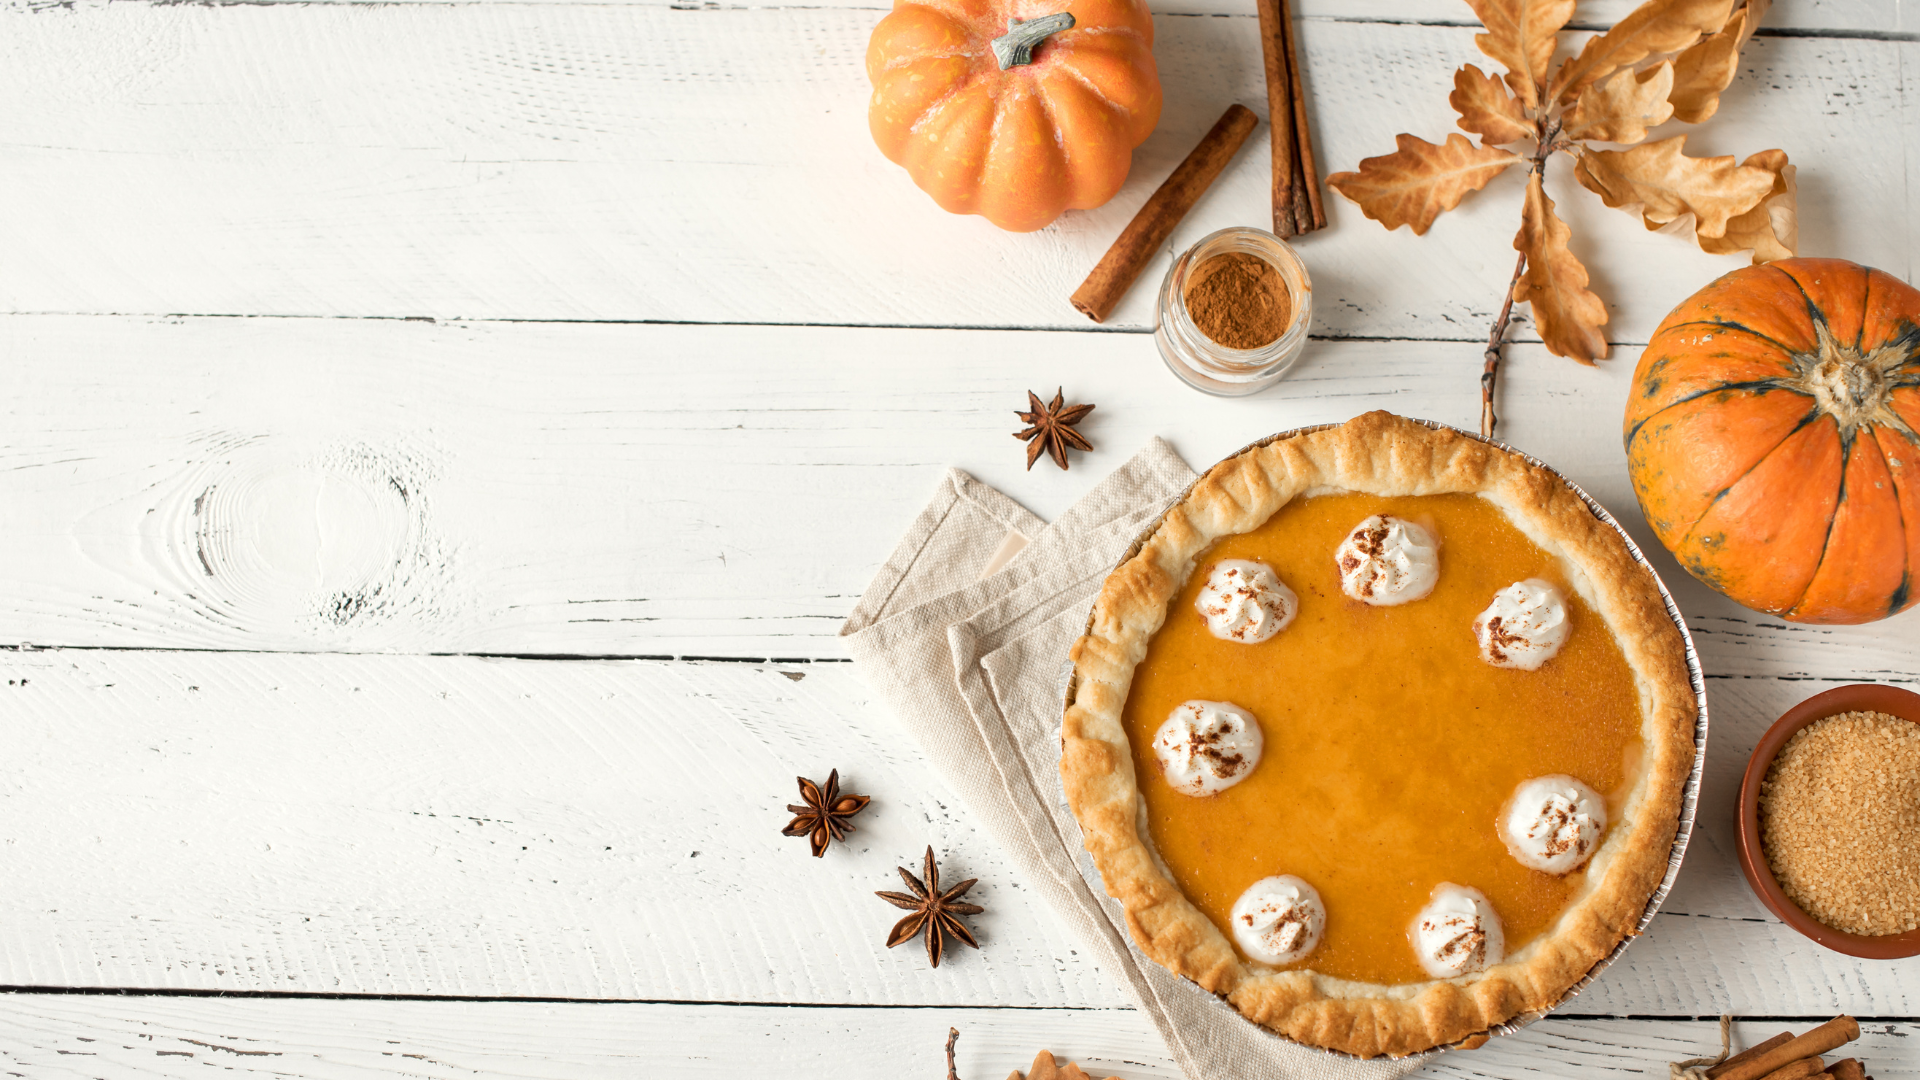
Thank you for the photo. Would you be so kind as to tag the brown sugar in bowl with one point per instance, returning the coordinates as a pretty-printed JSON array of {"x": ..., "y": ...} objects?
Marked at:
[{"x": 1859, "y": 697}]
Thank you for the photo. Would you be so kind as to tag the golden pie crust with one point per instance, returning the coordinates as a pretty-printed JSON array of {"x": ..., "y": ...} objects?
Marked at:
[{"x": 1379, "y": 454}]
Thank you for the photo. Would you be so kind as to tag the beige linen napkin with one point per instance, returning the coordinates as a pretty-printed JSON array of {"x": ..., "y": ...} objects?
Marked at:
[{"x": 965, "y": 632}]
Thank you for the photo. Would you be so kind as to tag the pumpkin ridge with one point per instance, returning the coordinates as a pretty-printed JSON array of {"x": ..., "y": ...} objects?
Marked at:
[
  {"x": 1815, "y": 313},
  {"x": 1866, "y": 295},
  {"x": 1762, "y": 385},
  {"x": 1901, "y": 596},
  {"x": 1100, "y": 95},
  {"x": 937, "y": 106},
  {"x": 1898, "y": 599},
  {"x": 1813, "y": 415},
  {"x": 1102, "y": 31},
  {"x": 1053, "y": 124},
  {"x": 1722, "y": 324},
  {"x": 1847, "y": 443},
  {"x": 1910, "y": 341},
  {"x": 909, "y": 59}
]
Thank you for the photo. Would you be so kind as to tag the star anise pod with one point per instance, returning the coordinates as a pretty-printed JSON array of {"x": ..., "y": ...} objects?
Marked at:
[
  {"x": 935, "y": 911},
  {"x": 1051, "y": 428},
  {"x": 826, "y": 816}
]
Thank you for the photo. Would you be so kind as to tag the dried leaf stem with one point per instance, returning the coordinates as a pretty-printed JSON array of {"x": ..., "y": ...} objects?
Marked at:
[{"x": 1490, "y": 369}]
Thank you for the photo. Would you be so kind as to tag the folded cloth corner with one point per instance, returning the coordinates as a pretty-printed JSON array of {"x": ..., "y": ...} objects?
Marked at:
[{"x": 964, "y": 632}]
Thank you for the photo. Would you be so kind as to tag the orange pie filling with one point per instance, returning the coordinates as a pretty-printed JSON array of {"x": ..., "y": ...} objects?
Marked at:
[{"x": 1387, "y": 743}]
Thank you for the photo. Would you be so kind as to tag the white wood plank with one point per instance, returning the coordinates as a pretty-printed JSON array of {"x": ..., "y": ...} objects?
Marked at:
[
  {"x": 472, "y": 827},
  {"x": 306, "y": 484},
  {"x": 1842, "y": 16},
  {"x": 643, "y": 162},
  {"x": 108, "y": 1038},
  {"x": 579, "y": 829}
]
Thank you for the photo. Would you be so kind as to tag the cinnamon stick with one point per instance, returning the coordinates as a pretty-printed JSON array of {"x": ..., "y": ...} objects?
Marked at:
[
  {"x": 1804, "y": 1069},
  {"x": 1137, "y": 243},
  {"x": 1302, "y": 206},
  {"x": 1848, "y": 1069},
  {"x": 1834, "y": 1033},
  {"x": 1751, "y": 1051},
  {"x": 1275, "y": 29},
  {"x": 1307, "y": 177}
]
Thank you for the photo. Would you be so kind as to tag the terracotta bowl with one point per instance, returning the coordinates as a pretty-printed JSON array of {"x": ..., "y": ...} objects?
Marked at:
[{"x": 1860, "y": 697}]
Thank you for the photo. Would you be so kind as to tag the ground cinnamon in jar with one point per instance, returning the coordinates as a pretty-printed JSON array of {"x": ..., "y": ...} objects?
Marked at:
[{"x": 1239, "y": 300}]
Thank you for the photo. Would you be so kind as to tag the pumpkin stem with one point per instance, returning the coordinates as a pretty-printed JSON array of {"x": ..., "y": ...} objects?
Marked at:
[
  {"x": 1015, "y": 47},
  {"x": 1846, "y": 385}
]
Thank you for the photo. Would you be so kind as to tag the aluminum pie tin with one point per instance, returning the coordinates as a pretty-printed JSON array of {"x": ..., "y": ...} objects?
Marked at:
[{"x": 1690, "y": 796}]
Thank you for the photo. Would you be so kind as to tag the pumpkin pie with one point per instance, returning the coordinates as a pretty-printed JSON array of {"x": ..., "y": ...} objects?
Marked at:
[{"x": 1382, "y": 735}]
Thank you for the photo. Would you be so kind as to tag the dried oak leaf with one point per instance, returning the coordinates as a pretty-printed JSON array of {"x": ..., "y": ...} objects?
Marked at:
[
  {"x": 1420, "y": 181},
  {"x": 1046, "y": 1068},
  {"x": 1621, "y": 107},
  {"x": 1664, "y": 183},
  {"x": 1521, "y": 35},
  {"x": 1701, "y": 72},
  {"x": 1567, "y": 313},
  {"x": 1652, "y": 29},
  {"x": 1772, "y": 229},
  {"x": 1487, "y": 108}
]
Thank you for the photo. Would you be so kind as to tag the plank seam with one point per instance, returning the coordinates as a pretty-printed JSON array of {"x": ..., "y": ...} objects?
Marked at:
[
  {"x": 31, "y": 647},
  {"x": 509, "y": 320},
  {"x": 1885, "y": 676},
  {"x": 87, "y": 991}
]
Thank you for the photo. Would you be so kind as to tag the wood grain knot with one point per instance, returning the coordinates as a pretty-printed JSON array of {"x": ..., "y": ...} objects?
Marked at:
[{"x": 332, "y": 546}]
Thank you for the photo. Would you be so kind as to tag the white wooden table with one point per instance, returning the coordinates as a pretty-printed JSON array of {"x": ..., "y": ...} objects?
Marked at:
[{"x": 441, "y": 441}]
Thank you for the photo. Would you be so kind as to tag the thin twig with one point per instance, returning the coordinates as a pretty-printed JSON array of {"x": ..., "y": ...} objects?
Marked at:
[
  {"x": 953, "y": 1036},
  {"x": 1490, "y": 371},
  {"x": 1490, "y": 368}
]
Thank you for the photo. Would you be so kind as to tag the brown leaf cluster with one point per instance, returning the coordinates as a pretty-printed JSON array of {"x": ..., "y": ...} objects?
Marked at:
[{"x": 1666, "y": 60}]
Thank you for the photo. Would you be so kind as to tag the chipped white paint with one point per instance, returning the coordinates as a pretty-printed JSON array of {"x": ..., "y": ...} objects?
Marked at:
[
  {"x": 123, "y": 1038},
  {"x": 610, "y": 161},
  {"x": 641, "y": 490}
]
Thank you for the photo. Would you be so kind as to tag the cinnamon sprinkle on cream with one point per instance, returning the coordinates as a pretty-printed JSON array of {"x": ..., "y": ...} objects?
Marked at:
[{"x": 1840, "y": 822}]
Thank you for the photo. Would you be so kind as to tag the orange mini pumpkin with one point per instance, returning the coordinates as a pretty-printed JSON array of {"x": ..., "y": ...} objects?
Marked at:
[
  {"x": 1773, "y": 437},
  {"x": 1012, "y": 111}
]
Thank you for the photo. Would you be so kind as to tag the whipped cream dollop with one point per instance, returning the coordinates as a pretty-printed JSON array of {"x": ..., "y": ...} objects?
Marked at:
[
  {"x": 1278, "y": 920},
  {"x": 1524, "y": 626},
  {"x": 1206, "y": 747},
  {"x": 1553, "y": 823},
  {"x": 1245, "y": 601},
  {"x": 1457, "y": 932},
  {"x": 1388, "y": 560}
]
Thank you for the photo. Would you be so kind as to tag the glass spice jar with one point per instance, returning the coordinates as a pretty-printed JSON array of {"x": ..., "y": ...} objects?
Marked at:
[{"x": 1204, "y": 363}]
